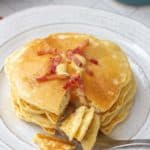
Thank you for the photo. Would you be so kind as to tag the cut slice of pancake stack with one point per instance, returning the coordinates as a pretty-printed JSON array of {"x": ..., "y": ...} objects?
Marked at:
[
  {"x": 52, "y": 143},
  {"x": 49, "y": 74},
  {"x": 82, "y": 125}
]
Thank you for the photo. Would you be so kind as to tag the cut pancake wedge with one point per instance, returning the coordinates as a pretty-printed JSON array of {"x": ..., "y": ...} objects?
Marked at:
[
  {"x": 52, "y": 143},
  {"x": 86, "y": 121},
  {"x": 91, "y": 135},
  {"x": 72, "y": 123}
]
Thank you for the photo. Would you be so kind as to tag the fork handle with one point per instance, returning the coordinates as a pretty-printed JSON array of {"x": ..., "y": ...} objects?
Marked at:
[
  {"x": 134, "y": 142},
  {"x": 123, "y": 143}
]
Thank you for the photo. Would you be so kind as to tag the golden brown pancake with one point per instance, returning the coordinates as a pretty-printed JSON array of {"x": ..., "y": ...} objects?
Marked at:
[
  {"x": 91, "y": 135},
  {"x": 86, "y": 121},
  {"x": 23, "y": 66},
  {"x": 122, "y": 113},
  {"x": 31, "y": 114},
  {"x": 103, "y": 100},
  {"x": 109, "y": 76},
  {"x": 51, "y": 143},
  {"x": 72, "y": 123},
  {"x": 106, "y": 116},
  {"x": 103, "y": 89}
]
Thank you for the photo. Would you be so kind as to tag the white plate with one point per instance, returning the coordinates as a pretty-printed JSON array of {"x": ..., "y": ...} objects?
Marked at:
[{"x": 132, "y": 36}]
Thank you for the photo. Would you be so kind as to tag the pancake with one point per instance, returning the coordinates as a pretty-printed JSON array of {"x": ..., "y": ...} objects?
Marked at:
[
  {"x": 119, "y": 118},
  {"x": 72, "y": 123},
  {"x": 113, "y": 67},
  {"x": 48, "y": 96},
  {"x": 40, "y": 120},
  {"x": 49, "y": 75},
  {"x": 86, "y": 121},
  {"x": 113, "y": 70},
  {"x": 91, "y": 135},
  {"x": 122, "y": 113},
  {"x": 32, "y": 116},
  {"x": 106, "y": 116},
  {"x": 51, "y": 143}
]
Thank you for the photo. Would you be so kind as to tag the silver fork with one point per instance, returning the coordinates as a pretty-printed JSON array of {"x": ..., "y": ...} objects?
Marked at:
[{"x": 105, "y": 142}]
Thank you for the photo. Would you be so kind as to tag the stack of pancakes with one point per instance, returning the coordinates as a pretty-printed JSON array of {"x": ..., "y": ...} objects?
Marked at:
[{"x": 109, "y": 87}]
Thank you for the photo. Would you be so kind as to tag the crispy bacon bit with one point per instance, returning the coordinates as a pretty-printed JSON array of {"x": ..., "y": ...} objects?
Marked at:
[
  {"x": 51, "y": 77},
  {"x": 53, "y": 69},
  {"x": 83, "y": 45},
  {"x": 89, "y": 72},
  {"x": 78, "y": 50},
  {"x": 54, "y": 62},
  {"x": 77, "y": 61},
  {"x": 50, "y": 51},
  {"x": 42, "y": 78},
  {"x": 93, "y": 61},
  {"x": 1, "y": 17},
  {"x": 74, "y": 82},
  {"x": 69, "y": 54},
  {"x": 56, "y": 76}
]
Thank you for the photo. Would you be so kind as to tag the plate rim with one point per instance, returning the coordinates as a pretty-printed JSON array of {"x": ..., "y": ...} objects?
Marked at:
[
  {"x": 64, "y": 7},
  {"x": 20, "y": 12}
]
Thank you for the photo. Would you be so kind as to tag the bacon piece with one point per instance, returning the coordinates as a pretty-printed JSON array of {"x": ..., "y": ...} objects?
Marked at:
[
  {"x": 50, "y": 75},
  {"x": 89, "y": 72},
  {"x": 47, "y": 77},
  {"x": 93, "y": 61},
  {"x": 54, "y": 62},
  {"x": 81, "y": 47},
  {"x": 77, "y": 50},
  {"x": 69, "y": 54},
  {"x": 42, "y": 78},
  {"x": 74, "y": 82},
  {"x": 55, "y": 76},
  {"x": 53, "y": 69},
  {"x": 1, "y": 17},
  {"x": 77, "y": 61},
  {"x": 50, "y": 51}
]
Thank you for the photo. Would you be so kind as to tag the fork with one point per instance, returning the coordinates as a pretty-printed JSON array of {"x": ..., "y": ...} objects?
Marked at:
[{"x": 104, "y": 142}]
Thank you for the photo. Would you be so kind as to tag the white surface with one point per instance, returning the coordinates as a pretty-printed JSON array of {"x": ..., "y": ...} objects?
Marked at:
[
  {"x": 134, "y": 40},
  {"x": 141, "y": 14}
]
